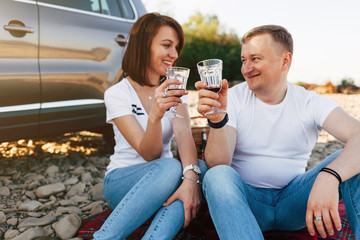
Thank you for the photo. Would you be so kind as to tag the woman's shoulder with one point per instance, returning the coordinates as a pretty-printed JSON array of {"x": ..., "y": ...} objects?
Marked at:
[{"x": 119, "y": 88}]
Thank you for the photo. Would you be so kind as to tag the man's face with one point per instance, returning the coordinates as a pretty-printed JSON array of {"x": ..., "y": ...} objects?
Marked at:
[{"x": 262, "y": 63}]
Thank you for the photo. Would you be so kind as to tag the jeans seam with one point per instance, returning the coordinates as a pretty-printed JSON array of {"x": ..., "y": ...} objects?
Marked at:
[
  {"x": 156, "y": 225},
  {"x": 353, "y": 205},
  {"x": 116, "y": 214}
]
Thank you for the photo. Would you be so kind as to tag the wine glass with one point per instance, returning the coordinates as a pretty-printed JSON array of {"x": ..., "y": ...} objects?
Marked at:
[
  {"x": 210, "y": 71},
  {"x": 182, "y": 75}
]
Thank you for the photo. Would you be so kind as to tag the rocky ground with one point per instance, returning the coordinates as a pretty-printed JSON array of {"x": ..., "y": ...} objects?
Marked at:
[{"x": 48, "y": 186}]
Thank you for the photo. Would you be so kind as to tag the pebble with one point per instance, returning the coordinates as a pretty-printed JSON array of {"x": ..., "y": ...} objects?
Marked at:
[
  {"x": 56, "y": 190},
  {"x": 67, "y": 226},
  {"x": 48, "y": 190},
  {"x": 30, "y": 234},
  {"x": 48, "y": 186}
]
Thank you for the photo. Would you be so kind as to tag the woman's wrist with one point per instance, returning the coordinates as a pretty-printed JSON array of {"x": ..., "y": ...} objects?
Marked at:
[
  {"x": 191, "y": 179},
  {"x": 191, "y": 174}
]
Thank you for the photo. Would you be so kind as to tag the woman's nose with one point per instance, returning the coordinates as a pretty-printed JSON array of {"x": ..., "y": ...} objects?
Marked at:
[{"x": 173, "y": 53}]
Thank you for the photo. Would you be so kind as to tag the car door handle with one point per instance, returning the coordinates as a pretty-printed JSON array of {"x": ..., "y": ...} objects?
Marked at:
[
  {"x": 19, "y": 28},
  {"x": 121, "y": 40}
]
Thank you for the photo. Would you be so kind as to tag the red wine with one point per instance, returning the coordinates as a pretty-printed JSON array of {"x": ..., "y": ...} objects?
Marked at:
[
  {"x": 213, "y": 88},
  {"x": 171, "y": 89}
]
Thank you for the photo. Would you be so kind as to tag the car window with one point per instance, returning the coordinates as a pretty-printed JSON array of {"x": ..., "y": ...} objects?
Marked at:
[
  {"x": 117, "y": 8},
  {"x": 86, "y": 5}
]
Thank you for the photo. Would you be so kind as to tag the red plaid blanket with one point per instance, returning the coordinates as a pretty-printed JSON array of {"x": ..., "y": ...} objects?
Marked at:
[
  {"x": 345, "y": 233},
  {"x": 202, "y": 228}
]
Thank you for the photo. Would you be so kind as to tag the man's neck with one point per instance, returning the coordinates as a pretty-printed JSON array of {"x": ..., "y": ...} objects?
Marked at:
[{"x": 274, "y": 95}]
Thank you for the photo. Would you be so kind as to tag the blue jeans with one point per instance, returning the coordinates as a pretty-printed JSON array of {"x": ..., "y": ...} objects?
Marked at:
[
  {"x": 240, "y": 211},
  {"x": 138, "y": 192}
]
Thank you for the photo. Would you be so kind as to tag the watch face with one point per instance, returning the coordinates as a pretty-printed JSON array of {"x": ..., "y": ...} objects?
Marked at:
[{"x": 197, "y": 169}]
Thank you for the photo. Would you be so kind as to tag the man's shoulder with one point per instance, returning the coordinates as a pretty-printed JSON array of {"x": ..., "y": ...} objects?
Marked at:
[
  {"x": 300, "y": 91},
  {"x": 239, "y": 88}
]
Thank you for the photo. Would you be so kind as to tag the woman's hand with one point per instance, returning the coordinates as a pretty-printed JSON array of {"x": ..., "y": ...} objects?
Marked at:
[
  {"x": 209, "y": 99},
  {"x": 163, "y": 100},
  {"x": 189, "y": 193}
]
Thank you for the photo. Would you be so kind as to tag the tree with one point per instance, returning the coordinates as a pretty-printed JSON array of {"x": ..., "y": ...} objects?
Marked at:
[
  {"x": 347, "y": 86},
  {"x": 204, "y": 41}
]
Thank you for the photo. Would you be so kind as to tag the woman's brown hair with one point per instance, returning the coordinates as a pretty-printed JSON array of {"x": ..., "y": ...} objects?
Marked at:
[{"x": 137, "y": 55}]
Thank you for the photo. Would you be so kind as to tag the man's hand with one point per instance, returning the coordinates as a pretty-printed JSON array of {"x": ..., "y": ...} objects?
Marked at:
[
  {"x": 323, "y": 202},
  {"x": 209, "y": 99}
]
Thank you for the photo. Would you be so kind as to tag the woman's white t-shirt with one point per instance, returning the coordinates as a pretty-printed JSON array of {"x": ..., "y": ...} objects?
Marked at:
[
  {"x": 274, "y": 142},
  {"x": 121, "y": 99}
]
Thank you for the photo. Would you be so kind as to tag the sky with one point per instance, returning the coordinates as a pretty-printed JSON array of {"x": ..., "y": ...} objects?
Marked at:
[{"x": 326, "y": 33}]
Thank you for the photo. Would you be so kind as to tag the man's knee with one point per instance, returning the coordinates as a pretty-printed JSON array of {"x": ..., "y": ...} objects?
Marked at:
[{"x": 219, "y": 180}]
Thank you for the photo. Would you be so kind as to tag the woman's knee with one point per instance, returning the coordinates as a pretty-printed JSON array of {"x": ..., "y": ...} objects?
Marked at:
[{"x": 169, "y": 169}]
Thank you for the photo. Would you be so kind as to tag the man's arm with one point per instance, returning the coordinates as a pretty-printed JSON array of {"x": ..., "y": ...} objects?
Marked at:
[
  {"x": 324, "y": 195},
  {"x": 220, "y": 146},
  {"x": 346, "y": 129},
  {"x": 221, "y": 141}
]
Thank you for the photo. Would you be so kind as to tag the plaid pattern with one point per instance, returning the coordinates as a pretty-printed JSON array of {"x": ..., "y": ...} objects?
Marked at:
[
  {"x": 202, "y": 228},
  {"x": 345, "y": 233},
  {"x": 91, "y": 224}
]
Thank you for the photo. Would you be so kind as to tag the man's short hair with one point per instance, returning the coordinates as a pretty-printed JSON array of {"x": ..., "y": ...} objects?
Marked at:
[{"x": 278, "y": 33}]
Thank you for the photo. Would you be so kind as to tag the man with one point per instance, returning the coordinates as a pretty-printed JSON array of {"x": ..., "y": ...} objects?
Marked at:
[{"x": 257, "y": 181}]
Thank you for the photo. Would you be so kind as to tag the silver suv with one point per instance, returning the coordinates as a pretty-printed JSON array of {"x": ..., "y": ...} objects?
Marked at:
[{"x": 57, "y": 57}]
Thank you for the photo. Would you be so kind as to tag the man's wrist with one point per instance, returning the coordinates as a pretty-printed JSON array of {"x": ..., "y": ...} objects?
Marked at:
[{"x": 219, "y": 124}]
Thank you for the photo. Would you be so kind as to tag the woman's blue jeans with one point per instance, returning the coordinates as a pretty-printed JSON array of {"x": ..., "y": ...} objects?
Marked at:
[
  {"x": 138, "y": 192},
  {"x": 240, "y": 211}
]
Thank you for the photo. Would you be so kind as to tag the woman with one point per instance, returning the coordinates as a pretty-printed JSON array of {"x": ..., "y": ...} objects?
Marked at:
[{"x": 142, "y": 178}]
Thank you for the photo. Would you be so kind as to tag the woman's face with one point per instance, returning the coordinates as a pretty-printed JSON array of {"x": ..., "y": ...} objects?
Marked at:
[{"x": 163, "y": 52}]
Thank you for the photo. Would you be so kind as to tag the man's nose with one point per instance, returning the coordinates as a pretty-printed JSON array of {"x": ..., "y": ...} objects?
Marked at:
[{"x": 246, "y": 67}]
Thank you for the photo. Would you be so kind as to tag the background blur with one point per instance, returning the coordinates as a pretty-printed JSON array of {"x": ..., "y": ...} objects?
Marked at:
[{"x": 326, "y": 32}]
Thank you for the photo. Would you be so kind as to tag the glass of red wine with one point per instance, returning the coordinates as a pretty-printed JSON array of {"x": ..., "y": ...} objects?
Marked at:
[
  {"x": 182, "y": 75},
  {"x": 210, "y": 71}
]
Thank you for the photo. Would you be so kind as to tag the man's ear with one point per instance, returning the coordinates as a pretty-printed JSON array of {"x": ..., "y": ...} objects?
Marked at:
[{"x": 287, "y": 58}]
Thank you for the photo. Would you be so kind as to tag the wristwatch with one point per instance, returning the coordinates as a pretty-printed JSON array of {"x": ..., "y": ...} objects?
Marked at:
[{"x": 192, "y": 167}]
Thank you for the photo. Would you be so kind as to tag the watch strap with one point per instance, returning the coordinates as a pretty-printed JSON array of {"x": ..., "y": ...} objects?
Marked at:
[
  {"x": 191, "y": 167},
  {"x": 219, "y": 124}
]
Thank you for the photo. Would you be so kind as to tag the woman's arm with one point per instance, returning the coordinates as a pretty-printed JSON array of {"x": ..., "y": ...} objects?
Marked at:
[
  {"x": 149, "y": 143},
  {"x": 189, "y": 191}
]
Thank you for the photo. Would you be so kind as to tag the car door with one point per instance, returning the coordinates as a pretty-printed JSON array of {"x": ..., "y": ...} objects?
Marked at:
[
  {"x": 81, "y": 48},
  {"x": 19, "y": 69}
]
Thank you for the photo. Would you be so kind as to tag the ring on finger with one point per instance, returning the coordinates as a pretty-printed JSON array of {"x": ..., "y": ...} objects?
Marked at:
[
  {"x": 317, "y": 218},
  {"x": 165, "y": 95}
]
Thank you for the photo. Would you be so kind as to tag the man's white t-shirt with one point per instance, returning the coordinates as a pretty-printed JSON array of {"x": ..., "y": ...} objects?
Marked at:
[
  {"x": 274, "y": 142},
  {"x": 121, "y": 99}
]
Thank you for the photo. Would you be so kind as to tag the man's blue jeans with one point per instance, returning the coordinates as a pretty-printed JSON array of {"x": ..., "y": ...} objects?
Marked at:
[
  {"x": 138, "y": 192},
  {"x": 240, "y": 211}
]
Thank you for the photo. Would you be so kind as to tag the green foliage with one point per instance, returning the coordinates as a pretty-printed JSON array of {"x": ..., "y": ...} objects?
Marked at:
[
  {"x": 346, "y": 82},
  {"x": 347, "y": 86},
  {"x": 203, "y": 41}
]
